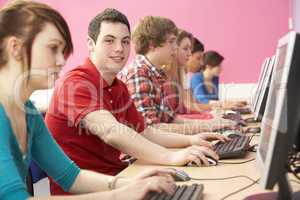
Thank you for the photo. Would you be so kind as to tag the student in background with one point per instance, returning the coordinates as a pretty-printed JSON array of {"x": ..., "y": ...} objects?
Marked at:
[
  {"x": 194, "y": 65},
  {"x": 177, "y": 79},
  {"x": 35, "y": 41},
  {"x": 205, "y": 83},
  {"x": 194, "y": 62},
  {"x": 93, "y": 118},
  {"x": 155, "y": 43}
]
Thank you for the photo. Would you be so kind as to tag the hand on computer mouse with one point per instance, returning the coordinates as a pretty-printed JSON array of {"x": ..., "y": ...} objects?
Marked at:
[
  {"x": 253, "y": 130},
  {"x": 211, "y": 162},
  {"x": 155, "y": 172},
  {"x": 250, "y": 120},
  {"x": 232, "y": 134},
  {"x": 197, "y": 154}
]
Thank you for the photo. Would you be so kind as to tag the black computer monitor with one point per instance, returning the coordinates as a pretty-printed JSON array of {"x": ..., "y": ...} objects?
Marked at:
[
  {"x": 259, "y": 83},
  {"x": 280, "y": 124},
  {"x": 264, "y": 90}
]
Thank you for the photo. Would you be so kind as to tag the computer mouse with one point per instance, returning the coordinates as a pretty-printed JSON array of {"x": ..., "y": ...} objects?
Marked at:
[
  {"x": 211, "y": 162},
  {"x": 228, "y": 112},
  {"x": 242, "y": 123},
  {"x": 253, "y": 130},
  {"x": 232, "y": 133},
  {"x": 181, "y": 175},
  {"x": 250, "y": 120},
  {"x": 242, "y": 111}
]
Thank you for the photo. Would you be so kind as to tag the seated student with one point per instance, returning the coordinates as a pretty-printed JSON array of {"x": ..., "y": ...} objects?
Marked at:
[
  {"x": 155, "y": 43},
  {"x": 205, "y": 84},
  {"x": 93, "y": 118},
  {"x": 35, "y": 40},
  {"x": 193, "y": 65},
  {"x": 194, "y": 62},
  {"x": 177, "y": 79}
]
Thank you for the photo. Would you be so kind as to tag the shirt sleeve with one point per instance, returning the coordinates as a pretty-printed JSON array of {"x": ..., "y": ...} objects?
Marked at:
[
  {"x": 78, "y": 97},
  {"x": 143, "y": 93},
  {"x": 135, "y": 119},
  {"x": 198, "y": 89},
  {"x": 50, "y": 157},
  {"x": 11, "y": 184}
]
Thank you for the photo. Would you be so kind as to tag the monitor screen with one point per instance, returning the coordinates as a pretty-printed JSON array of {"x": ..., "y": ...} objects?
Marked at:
[
  {"x": 280, "y": 122},
  {"x": 275, "y": 87},
  {"x": 259, "y": 83},
  {"x": 264, "y": 89}
]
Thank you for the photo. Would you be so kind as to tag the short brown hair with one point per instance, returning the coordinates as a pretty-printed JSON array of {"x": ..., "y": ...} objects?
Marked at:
[
  {"x": 212, "y": 58},
  {"x": 108, "y": 15},
  {"x": 25, "y": 19},
  {"x": 152, "y": 31},
  {"x": 197, "y": 46}
]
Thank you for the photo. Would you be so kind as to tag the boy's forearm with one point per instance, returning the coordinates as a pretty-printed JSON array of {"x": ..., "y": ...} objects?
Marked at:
[
  {"x": 181, "y": 128},
  {"x": 129, "y": 141},
  {"x": 167, "y": 139}
]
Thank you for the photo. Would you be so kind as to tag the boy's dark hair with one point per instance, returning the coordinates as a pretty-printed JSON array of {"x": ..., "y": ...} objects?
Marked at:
[
  {"x": 197, "y": 46},
  {"x": 108, "y": 15},
  {"x": 212, "y": 58}
]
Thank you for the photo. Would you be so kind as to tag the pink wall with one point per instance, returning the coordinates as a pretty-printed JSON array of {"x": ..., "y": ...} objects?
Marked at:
[{"x": 244, "y": 31}]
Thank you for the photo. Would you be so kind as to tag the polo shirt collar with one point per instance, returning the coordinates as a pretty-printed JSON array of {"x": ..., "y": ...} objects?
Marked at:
[{"x": 96, "y": 75}]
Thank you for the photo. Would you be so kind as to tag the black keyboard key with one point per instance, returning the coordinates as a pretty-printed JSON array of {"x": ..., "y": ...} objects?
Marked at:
[
  {"x": 153, "y": 196},
  {"x": 198, "y": 193},
  {"x": 242, "y": 142},
  {"x": 184, "y": 192},
  {"x": 179, "y": 193},
  {"x": 169, "y": 197},
  {"x": 162, "y": 196},
  {"x": 235, "y": 148},
  {"x": 189, "y": 192}
]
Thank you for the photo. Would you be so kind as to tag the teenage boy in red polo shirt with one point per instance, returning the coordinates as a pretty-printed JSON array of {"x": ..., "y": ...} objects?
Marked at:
[{"x": 93, "y": 118}]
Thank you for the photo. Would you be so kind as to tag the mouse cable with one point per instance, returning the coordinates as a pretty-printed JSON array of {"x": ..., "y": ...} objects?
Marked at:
[
  {"x": 241, "y": 189},
  {"x": 242, "y": 162},
  {"x": 248, "y": 186},
  {"x": 221, "y": 179}
]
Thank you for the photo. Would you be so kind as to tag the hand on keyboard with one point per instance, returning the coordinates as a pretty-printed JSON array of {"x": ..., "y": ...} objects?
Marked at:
[
  {"x": 183, "y": 192},
  {"x": 202, "y": 139},
  {"x": 139, "y": 189},
  {"x": 237, "y": 147},
  {"x": 168, "y": 173}
]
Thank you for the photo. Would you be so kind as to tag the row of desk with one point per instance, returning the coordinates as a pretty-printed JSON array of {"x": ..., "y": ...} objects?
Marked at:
[{"x": 217, "y": 189}]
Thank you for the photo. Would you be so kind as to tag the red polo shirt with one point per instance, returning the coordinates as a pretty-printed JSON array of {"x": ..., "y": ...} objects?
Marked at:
[{"x": 78, "y": 93}]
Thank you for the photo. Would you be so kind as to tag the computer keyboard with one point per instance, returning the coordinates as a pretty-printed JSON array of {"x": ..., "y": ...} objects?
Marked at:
[
  {"x": 183, "y": 192},
  {"x": 242, "y": 111},
  {"x": 235, "y": 117},
  {"x": 236, "y": 147}
]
